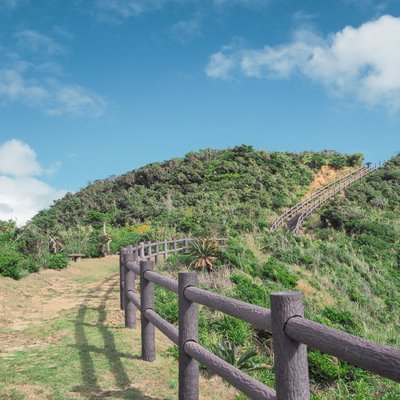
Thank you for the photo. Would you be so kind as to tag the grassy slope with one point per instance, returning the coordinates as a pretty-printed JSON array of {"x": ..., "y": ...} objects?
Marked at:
[
  {"x": 62, "y": 338},
  {"x": 347, "y": 266}
]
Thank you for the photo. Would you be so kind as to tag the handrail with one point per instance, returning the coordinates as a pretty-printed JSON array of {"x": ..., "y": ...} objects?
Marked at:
[
  {"x": 293, "y": 211},
  {"x": 246, "y": 384},
  {"x": 331, "y": 193},
  {"x": 377, "y": 358},
  {"x": 291, "y": 331},
  {"x": 306, "y": 206},
  {"x": 258, "y": 316}
]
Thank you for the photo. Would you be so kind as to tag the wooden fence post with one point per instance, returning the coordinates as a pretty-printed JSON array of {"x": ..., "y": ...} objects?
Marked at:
[
  {"x": 147, "y": 303},
  {"x": 156, "y": 255},
  {"x": 188, "y": 331},
  {"x": 121, "y": 278},
  {"x": 141, "y": 250},
  {"x": 149, "y": 251},
  {"x": 291, "y": 366},
  {"x": 129, "y": 285}
]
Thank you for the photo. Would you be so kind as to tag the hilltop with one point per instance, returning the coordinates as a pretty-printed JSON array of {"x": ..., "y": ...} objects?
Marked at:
[{"x": 220, "y": 190}]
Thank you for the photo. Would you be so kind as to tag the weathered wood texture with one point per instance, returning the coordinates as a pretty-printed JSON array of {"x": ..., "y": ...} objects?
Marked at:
[
  {"x": 291, "y": 331},
  {"x": 374, "y": 357},
  {"x": 238, "y": 379},
  {"x": 121, "y": 279},
  {"x": 164, "y": 281},
  {"x": 129, "y": 286},
  {"x": 258, "y": 316},
  {"x": 169, "y": 330},
  {"x": 188, "y": 331},
  {"x": 291, "y": 366},
  {"x": 147, "y": 303}
]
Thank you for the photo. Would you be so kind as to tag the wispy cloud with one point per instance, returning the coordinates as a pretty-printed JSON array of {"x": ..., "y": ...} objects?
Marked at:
[
  {"x": 37, "y": 79},
  {"x": 33, "y": 41},
  {"x": 362, "y": 62},
  {"x": 11, "y": 4},
  {"x": 186, "y": 31},
  {"x": 241, "y": 3},
  {"x": 118, "y": 10}
]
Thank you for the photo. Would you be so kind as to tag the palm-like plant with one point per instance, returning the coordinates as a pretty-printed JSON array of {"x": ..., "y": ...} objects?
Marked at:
[
  {"x": 205, "y": 251},
  {"x": 247, "y": 361}
]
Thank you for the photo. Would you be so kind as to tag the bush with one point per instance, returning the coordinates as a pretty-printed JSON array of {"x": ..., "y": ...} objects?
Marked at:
[
  {"x": 341, "y": 319},
  {"x": 278, "y": 272},
  {"x": 326, "y": 369},
  {"x": 249, "y": 291},
  {"x": 10, "y": 261},
  {"x": 58, "y": 261}
]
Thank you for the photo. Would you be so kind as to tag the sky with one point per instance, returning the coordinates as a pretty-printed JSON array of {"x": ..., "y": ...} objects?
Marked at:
[{"x": 95, "y": 88}]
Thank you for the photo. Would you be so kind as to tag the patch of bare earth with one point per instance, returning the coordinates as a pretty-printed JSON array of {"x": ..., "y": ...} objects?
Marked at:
[{"x": 327, "y": 175}]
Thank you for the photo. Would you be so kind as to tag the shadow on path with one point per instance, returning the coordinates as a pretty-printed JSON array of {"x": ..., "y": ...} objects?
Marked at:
[{"x": 90, "y": 388}]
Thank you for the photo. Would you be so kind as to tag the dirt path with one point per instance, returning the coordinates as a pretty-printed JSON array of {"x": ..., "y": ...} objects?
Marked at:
[{"x": 62, "y": 337}]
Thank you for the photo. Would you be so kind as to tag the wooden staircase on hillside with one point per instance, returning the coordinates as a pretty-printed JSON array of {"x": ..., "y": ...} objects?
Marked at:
[{"x": 292, "y": 219}]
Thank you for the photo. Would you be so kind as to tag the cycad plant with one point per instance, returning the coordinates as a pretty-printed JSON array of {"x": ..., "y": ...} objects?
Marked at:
[
  {"x": 247, "y": 361},
  {"x": 205, "y": 252}
]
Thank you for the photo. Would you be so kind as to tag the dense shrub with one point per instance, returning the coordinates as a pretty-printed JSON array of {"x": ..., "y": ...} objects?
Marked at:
[
  {"x": 278, "y": 272},
  {"x": 58, "y": 261}
]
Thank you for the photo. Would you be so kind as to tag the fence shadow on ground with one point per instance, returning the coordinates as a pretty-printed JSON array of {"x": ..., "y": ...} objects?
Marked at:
[{"x": 91, "y": 387}]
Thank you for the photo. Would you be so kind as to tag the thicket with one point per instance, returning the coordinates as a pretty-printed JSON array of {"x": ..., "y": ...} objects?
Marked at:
[{"x": 210, "y": 192}]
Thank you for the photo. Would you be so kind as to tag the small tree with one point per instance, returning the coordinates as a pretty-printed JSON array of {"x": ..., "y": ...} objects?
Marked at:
[{"x": 99, "y": 220}]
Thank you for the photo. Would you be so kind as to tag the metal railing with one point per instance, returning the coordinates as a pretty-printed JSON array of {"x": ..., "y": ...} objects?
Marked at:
[{"x": 291, "y": 332}]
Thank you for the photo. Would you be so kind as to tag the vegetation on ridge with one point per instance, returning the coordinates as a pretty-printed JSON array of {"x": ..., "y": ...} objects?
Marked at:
[{"x": 346, "y": 262}]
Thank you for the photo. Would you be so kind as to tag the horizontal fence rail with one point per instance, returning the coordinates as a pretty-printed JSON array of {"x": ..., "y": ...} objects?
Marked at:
[{"x": 291, "y": 332}]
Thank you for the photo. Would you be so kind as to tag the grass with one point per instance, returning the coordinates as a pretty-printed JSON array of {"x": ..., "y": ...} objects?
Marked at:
[{"x": 83, "y": 351}]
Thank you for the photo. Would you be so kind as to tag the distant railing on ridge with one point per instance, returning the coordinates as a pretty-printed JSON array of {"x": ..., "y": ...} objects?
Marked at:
[
  {"x": 291, "y": 332},
  {"x": 302, "y": 210}
]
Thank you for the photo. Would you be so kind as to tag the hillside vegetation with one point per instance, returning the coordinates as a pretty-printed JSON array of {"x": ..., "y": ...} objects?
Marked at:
[
  {"x": 218, "y": 192},
  {"x": 346, "y": 262}
]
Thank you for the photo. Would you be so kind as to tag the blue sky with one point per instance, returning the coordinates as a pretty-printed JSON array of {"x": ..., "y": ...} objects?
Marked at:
[{"x": 92, "y": 88}]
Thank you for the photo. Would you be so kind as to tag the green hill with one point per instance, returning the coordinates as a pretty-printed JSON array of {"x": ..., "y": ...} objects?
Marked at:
[
  {"x": 222, "y": 190},
  {"x": 346, "y": 262}
]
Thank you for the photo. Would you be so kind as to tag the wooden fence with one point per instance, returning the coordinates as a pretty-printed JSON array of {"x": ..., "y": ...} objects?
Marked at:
[
  {"x": 291, "y": 332},
  {"x": 295, "y": 216}
]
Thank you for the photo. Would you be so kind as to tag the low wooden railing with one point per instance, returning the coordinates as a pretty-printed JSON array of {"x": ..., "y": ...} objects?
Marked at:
[{"x": 291, "y": 332}]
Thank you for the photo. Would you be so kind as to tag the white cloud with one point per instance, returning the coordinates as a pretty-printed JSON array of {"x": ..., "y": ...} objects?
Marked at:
[
  {"x": 22, "y": 198},
  {"x": 221, "y": 64},
  {"x": 362, "y": 62},
  {"x": 21, "y": 194},
  {"x": 18, "y": 159}
]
